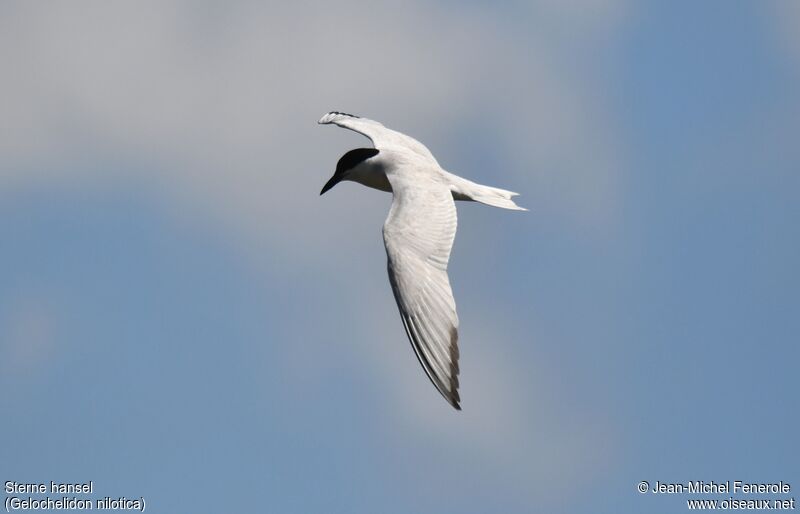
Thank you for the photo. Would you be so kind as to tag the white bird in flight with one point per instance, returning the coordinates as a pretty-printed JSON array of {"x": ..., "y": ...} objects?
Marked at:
[{"x": 418, "y": 235}]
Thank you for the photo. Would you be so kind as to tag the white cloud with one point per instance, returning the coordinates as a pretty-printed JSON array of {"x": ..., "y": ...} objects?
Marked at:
[
  {"x": 220, "y": 106},
  {"x": 217, "y": 110}
]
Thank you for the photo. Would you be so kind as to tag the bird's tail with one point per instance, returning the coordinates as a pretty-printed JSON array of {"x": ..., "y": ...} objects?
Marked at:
[{"x": 464, "y": 189}]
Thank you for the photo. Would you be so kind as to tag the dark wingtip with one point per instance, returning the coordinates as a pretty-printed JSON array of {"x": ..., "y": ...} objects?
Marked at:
[
  {"x": 343, "y": 114},
  {"x": 455, "y": 399},
  {"x": 329, "y": 117}
]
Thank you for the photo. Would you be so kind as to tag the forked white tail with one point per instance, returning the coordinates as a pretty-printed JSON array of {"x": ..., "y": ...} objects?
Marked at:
[{"x": 464, "y": 189}]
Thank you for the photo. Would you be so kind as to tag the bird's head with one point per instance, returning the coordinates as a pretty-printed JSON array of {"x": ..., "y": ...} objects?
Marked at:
[{"x": 349, "y": 166}]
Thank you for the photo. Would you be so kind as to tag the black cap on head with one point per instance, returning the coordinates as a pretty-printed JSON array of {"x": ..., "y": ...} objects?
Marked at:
[
  {"x": 349, "y": 161},
  {"x": 354, "y": 157}
]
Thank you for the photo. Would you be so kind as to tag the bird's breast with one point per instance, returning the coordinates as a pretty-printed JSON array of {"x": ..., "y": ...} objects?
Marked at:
[{"x": 372, "y": 176}]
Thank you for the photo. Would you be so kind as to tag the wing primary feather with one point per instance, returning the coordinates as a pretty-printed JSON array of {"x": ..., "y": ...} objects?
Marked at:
[
  {"x": 452, "y": 398},
  {"x": 454, "y": 355},
  {"x": 448, "y": 393},
  {"x": 438, "y": 368},
  {"x": 428, "y": 342}
]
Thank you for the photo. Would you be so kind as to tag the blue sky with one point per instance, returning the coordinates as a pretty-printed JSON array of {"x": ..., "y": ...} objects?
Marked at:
[{"x": 183, "y": 318}]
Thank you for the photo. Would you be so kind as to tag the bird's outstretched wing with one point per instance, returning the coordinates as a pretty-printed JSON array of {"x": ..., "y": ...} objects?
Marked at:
[
  {"x": 418, "y": 235},
  {"x": 380, "y": 136}
]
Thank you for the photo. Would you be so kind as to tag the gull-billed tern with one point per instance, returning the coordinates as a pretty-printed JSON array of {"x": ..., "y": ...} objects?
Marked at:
[{"x": 418, "y": 235}]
